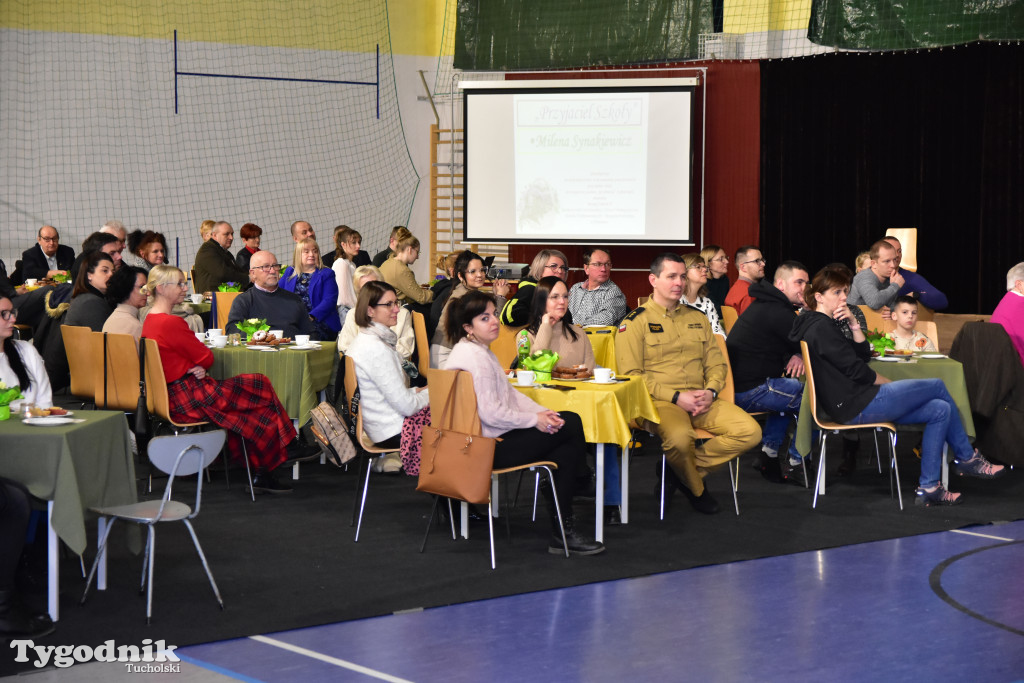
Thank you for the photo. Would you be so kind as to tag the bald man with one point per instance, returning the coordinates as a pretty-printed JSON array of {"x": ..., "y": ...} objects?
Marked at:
[
  {"x": 301, "y": 230},
  {"x": 282, "y": 309},
  {"x": 48, "y": 257}
]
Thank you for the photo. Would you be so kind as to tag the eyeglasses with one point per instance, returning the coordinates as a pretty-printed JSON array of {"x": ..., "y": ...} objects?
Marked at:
[
  {"x": 183, "y": 285},
  {"x": 596, "y": 264},
  {"x": 759, "y": 261},
  {"x": 50, "y": 239},
  {"x": 719, "y": 259},
  {"x": 389, "y": 304},
  {"x": 552, "y": 266},
  {"x": 9, "y": 314},
  {"x": 269, "y": 268},
  {"x": 699, "y": 266}
]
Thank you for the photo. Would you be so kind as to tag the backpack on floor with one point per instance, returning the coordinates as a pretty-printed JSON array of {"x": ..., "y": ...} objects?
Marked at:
[{"x": 332, "y": 433}]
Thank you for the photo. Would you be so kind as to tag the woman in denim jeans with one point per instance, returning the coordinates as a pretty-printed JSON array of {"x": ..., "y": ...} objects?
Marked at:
[{"x": 852, "y": 393}]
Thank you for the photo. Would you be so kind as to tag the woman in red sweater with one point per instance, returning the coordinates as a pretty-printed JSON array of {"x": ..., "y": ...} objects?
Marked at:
[{"x": 245, "y": 405}]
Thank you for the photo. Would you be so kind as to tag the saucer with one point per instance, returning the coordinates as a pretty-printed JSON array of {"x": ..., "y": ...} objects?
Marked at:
[{"x": 594, "y": 381}]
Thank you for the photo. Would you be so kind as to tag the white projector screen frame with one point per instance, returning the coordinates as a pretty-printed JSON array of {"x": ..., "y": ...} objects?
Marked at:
[{"x": 605, "y": 161}]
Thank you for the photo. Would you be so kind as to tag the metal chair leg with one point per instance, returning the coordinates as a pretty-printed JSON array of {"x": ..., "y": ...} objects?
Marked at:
[
  {"x": 558, "y": 509},
  {"x": 734, "y": 474},
  {"x": 896, "y": 468},
  {"x": 430, "y": 521},
  {"x": 819, "y": 481},
  {"x": 362, "y": 504},
  {"x": 661, "y": 508},
  {"x": 206, "y": 566}
]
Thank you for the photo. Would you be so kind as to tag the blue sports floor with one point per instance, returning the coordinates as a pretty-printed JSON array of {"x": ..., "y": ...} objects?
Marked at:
[{"x": 941, "y": 607}]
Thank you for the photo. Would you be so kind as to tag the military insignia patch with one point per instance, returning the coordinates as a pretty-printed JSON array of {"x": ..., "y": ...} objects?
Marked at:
[{"x": 655, "y": 327}]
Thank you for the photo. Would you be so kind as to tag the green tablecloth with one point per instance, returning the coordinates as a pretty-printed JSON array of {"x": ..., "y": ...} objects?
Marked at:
[
  {"x": 76, "y": 466},
  {"x": 951, "y": 373},
  {"x": 296, "y": 376}
]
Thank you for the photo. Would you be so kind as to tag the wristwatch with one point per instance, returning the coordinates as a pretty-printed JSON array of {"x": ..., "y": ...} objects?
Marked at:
[
  {"x": 675, "y": 397},
  {"x": 714, "y": 394}
]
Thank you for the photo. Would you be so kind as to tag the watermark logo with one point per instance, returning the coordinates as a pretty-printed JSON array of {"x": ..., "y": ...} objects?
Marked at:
[{"x": 150, "y": 657}]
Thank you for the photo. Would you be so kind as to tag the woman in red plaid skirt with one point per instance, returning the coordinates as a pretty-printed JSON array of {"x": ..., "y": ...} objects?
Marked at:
[{"x": 245, "y": 405}]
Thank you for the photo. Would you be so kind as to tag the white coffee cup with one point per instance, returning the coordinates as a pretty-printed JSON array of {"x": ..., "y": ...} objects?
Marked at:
[
  {"x": 201, "y": 336},
  {"x": 214, "y": 332},
  {"x": 31, "y": 282},
  {"x": 525, "y": 377},
  {"x": 302, "y": 339},
  {"x": 197, "y": 298},
  {"x": 220, "y": 341},
  {"x": 603, "y": 375},
  {"x": 278, "y": 334}
]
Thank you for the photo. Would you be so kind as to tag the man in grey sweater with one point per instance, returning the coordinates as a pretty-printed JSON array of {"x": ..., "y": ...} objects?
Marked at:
[{"x": 877, "y": 287}]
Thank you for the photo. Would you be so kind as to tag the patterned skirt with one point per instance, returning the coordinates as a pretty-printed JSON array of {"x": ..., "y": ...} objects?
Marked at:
[
  {"x": 245, "y": 405},
  {"x": 412, "y": 440}
]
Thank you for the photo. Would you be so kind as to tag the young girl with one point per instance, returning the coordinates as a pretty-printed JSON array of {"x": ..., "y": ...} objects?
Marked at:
[{"x": 904, "y": 314}]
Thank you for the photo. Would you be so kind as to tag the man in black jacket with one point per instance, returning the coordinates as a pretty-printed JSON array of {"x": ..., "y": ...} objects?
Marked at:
[
  {"x": 47, "y": 258},
  {"x": 766, "y": 365}
]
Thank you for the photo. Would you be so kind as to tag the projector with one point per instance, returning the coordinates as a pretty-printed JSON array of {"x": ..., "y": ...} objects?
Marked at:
[{"x": 508, "y": 271}]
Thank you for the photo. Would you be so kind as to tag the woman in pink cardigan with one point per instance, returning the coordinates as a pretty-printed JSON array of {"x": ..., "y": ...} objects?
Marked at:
[{"x": 529, "y": 431}]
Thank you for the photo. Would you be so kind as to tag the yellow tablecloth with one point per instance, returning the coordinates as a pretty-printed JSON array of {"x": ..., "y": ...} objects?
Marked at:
[
  {"x": 602, "y": 340},
  {"x": 951, "y": 373},
  {"x": 605, "y": 409},
  {"x": 77, "y": 466},
  {"x": 296, "y": 376}
]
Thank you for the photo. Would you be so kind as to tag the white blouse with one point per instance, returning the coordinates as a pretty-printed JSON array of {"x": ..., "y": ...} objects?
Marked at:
[
  {"x": 707, "y": 307},
  {"x": 38, "y": 391}
]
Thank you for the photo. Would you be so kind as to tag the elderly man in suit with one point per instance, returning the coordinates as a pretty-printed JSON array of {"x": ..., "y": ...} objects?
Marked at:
[
  {"x": 48, "y": 257},
  {"x": 214, "y": 263}
]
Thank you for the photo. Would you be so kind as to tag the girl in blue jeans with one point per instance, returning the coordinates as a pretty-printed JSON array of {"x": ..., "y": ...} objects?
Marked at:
[{"x": 850, "y": 392}]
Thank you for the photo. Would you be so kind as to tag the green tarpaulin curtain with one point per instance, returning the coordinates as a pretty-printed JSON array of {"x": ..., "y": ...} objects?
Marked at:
[
  {"x": 509, "y": 35},
  {"x": 896, "y": 25}
]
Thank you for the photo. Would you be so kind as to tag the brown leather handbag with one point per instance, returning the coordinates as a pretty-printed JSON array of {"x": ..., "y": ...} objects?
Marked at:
[{"x": 455, "y": 464}]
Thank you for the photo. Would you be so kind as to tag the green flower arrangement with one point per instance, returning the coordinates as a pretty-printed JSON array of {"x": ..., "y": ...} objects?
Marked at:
[
  {"x": 880, "y": 341},
  {"x": 8, "y": 394},
  {"x": 61, "y": 278},
  {"x": 229, "y": 287},
  {"x": 252, "y": 325}
]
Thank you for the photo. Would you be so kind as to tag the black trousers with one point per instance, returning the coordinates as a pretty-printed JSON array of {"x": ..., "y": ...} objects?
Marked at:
[
  {"x": 14, "y": 514},
  {"x": 567, "y": 448}
]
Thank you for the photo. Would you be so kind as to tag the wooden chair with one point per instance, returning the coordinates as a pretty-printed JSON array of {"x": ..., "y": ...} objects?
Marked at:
[
  {"x": 641, "y": 300},
  {"x": 504, "y": 347},
  {"x": 117, "y": 374},
  {"x": 874, "y": 320},
  {"x": 224, "y": 301},
  {"x": 180, "y": 455},
  {"x": 158, "y": 401},
  {"x": 466, "y": 418},
  {"x": 827, "y": 426},
  {"x": 365, "y": 443},
  {"x": 83, "y": 360},
  {"x": 729, "y": 316},
  {"x": 419, "y": 326}
]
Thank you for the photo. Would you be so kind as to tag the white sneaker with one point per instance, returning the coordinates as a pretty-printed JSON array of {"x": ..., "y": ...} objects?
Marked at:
[{"x": 389, "y": 463}]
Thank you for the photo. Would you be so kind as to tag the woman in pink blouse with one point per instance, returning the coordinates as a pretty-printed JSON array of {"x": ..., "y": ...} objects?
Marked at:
[{"x": 529, "y": 431}]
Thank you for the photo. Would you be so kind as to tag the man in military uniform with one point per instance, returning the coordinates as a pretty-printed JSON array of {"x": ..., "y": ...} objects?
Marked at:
[{"x": 673, "y": 348}]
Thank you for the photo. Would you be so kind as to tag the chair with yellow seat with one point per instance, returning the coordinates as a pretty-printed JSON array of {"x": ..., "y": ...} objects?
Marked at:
[
  {"x": 419, "y": 327},
  {"x": 827, "y": 426},
  {"x": 117, "y": 375},
  {"x": 504, "y": 347},
  {"x": 224, "y": 301},
  {"x": 729, "y": 316},
  {"x": 83, "y": 360}
]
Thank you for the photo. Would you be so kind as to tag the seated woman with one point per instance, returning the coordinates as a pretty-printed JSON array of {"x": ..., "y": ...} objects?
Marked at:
[
  {"x": 695, "y": 291},
  {"x": 316, "y": 286},
  {"x": 403, "y": 328},
  {"x": 529, "y": 431},
  {"x": 126, "y": 291},
  {"x": 147, "y": 248},
  {"x": 516, "y": 313},
  {"x": 20, "y": 363},
  {"x": 471, "y": 274},
  {"x": 393, "y": 413},
  {"x": 850, "y": 392},
  {"x": 347, "y": 243},
  {"x": 245, "y": 405},
  {"x": 442, "y": 289},
  {"x": 251, "y": 235},
  {"x": 718, "y": 274},
  {"x": 89, "y": 307},
  {"x": 398, "y": 274}
]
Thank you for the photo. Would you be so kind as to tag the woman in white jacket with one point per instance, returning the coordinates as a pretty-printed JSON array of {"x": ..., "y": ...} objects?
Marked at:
[{"x": 393, "y": 413}]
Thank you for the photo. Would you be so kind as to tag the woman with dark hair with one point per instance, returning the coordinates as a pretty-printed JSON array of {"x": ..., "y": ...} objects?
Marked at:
[
  {"x": 548, "y": 329},
  {"x": 516, "y": 313},
  {"x": 470, "y": 275},
  {"x": 89, "y": 307},
  {"x": 149, "y": 248},
  {"x": 695, "y": 291},
  {"x": 245, "y": 405},
  {"x": 529, "y": 431},
  {"x": 850, "y": 392},
  {"x": 316, "y": 286},
  {"x": 20, "y": 363},
  {"x": 126, "y": 292},
  {"x": 393, "y": 413},
  {"x": 346, "y": 247},
  {"x": 250, "y": 234}
]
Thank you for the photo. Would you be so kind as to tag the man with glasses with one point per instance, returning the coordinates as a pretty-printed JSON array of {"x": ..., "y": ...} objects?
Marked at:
[
  {"x": 215, "y": 264},
  {"x": 750, "y": 265},
  {"x": 282, "y": 309},
  {"x": 597, "y": 300},
  {"x": 48, "y": 257}
]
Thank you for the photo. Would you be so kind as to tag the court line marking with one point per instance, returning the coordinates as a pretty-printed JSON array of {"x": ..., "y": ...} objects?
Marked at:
[
  {"x": 935, "y": 581},
  {"x": 329, "y": 660},
  {"x": 974, "y": 533},
  {"x": 202, "y": 664}
]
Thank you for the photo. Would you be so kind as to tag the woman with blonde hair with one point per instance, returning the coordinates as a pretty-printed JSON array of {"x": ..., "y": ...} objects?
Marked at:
[
  {"x": 398, "y": 274},
  {"x": 718, "y": 274},
  {"x": 547, "y": 262},
  {"x": 245, "y": 405},
  {"x": 695, "y": 291},
  {"x": 206, "y": 229},
  {"x": 316, "y": 286}
]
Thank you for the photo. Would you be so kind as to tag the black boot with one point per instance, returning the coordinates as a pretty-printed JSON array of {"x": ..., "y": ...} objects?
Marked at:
[
  {"x": 16, "y": 621},
  {"x": 265, "y": 481},
  {"x": 849, "y": 463},
  {"x": 578, "y": 543}
]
